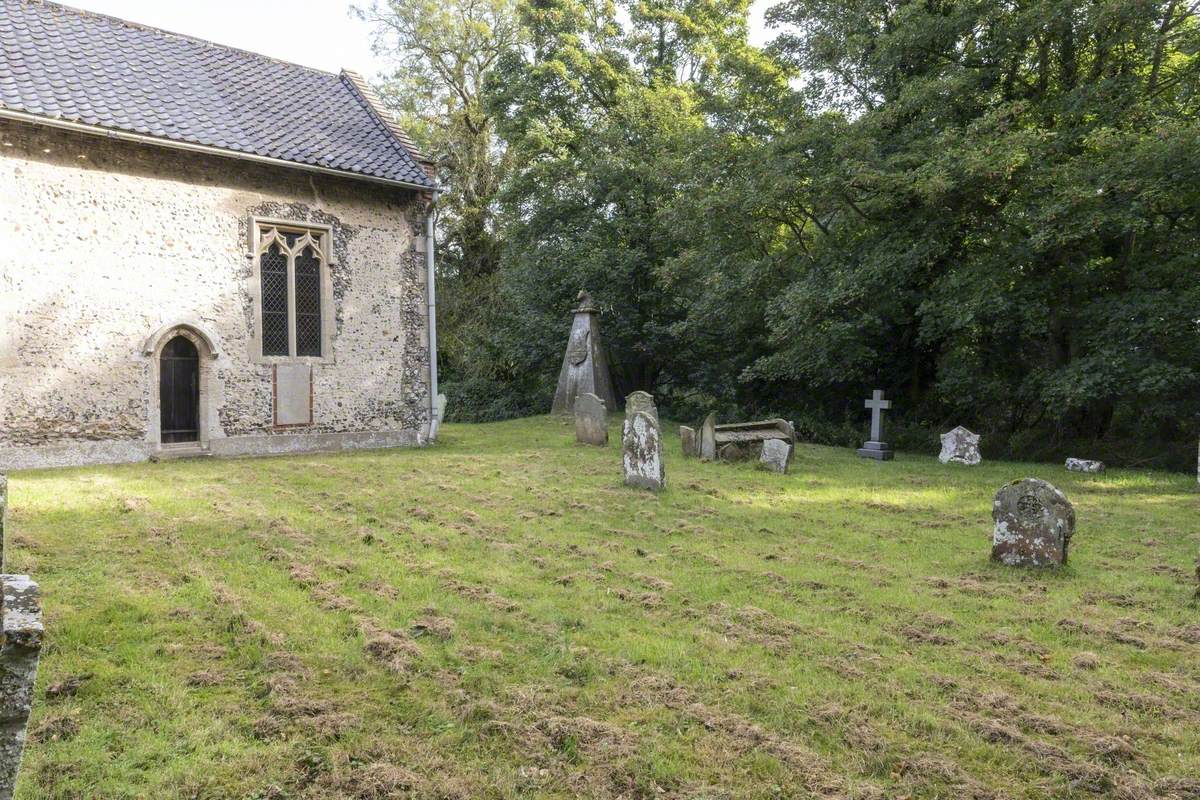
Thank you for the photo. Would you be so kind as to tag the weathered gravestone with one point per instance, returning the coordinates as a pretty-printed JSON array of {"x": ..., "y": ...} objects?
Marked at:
[
  {"x": 776, "y": 455},
  {"x": 439, "y": 415},
  {"x": 1085, "y": 465},
  {"x": 21, "y": 617},
  {"x": 960, "y": 446},
  {"x": 740, "y": 441},
  {"x": 585, "y": 366},
  {"x": 875, "y": 447},
  {"x": 641, "y": 444},
  {"x": 1034, "y": 524},
  {"x": 689, "y": 441},
  {"x": 591, "y": 420},
  {"x": 708, "y": 438}
]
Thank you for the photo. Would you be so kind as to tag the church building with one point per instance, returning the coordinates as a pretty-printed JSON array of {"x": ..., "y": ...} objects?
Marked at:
[{"x": 203, "y": 251}]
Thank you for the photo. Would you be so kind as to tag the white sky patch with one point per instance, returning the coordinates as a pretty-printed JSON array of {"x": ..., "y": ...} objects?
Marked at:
[{"x": 319, "y": 33}]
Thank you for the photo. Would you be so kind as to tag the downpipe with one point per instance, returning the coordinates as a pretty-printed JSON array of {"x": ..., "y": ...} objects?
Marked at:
[{"x": 431, "y": 317}]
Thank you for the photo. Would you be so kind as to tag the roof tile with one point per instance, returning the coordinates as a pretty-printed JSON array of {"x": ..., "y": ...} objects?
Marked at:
[{"x": 62, "y": 63}]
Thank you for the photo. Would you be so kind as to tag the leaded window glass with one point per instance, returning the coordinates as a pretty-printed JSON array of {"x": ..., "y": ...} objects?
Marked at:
[
  {"x": 274, "y": 269},
  {"x": 308, "y": 303},
  {"x": 290, "y": 266}
]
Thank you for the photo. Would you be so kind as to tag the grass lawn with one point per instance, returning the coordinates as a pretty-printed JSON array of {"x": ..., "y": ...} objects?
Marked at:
[{"x": 497, "y": 616}]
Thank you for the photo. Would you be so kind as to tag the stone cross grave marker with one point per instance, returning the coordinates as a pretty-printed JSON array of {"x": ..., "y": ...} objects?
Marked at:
[
  {"x": 641, "y": 444},
  {"x": 875, "y": 447},
  {"x": 591, "y": 420},
  {"x": 1034, "y": 524}
]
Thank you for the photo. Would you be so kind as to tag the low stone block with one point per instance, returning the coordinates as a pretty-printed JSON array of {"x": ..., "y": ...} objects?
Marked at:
[
  {"x": 776, "y": 455},
  {"x": 960, "y": 446},
  {"x": 1034, "y": 523},
  {"x": 1085, "y": 465},
  {"x": 591, "y": 420}
]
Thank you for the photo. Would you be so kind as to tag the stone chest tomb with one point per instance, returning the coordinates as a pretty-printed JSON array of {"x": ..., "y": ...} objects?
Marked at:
[{"x": 202, "y": 251}]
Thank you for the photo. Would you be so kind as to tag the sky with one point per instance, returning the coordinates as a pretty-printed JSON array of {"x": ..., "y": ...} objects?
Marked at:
[{"x": 316, "y": 33}]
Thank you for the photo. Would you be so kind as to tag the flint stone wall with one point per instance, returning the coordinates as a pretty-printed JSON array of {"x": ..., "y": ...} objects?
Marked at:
[{"x": 107, "y": 242}]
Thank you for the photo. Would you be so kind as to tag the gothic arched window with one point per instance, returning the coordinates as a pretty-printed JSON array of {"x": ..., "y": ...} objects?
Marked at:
[{"x": 291, "y": 261}]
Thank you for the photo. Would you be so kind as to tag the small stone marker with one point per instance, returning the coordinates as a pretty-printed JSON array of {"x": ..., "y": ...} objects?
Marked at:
[
  {"x": 20, "y": 650},
  {"x": 1034, "y": 524},
  {"x": 439, "y": 415},
  {"x": 875, "y": 447},
  {"x": 591, "y": 420},
  {"x": 960, "y": 446},
  {"x": 641, "y": 444},
  {"x": 1085, "y": 465},
  {"x": 776, "y": 455},
  {"x": 689, "y": 441},
  {"x": 708, "y": 438}
]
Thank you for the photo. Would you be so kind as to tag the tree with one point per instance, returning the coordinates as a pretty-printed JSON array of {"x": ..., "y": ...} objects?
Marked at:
[{"x": 444, "y": 51}]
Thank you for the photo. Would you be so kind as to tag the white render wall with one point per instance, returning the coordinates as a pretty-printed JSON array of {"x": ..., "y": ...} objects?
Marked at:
[{"x": 103, "y": 243}]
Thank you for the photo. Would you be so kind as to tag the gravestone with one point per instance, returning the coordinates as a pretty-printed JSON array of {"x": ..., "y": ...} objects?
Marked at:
[
  {"x": 643, "y": 402},
  {"x": 591, "y": 420},
  {"x": 585, "y": 366},
  {"x": 20, "y": 650},
  {"x": 439, "y": 415},
  {"x": 875, "y": 447},
  {"x": 689, "y": 441},
  {"x": 1085, "y": 465},
  {"x": 641, "y": 444},
  {"x": 708, "y": 438},
  {"x": 1034, "y": 524},
  {"x": 960, "y": 446},
  {"x": 3, "y": 515},
  {"x": 776, "y": 455}
]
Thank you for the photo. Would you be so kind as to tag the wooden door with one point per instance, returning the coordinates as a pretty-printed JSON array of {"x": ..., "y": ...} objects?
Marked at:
[{"x": 179, "y": 391}]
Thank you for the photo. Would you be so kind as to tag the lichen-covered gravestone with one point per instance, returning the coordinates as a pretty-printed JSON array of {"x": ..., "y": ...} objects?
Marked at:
[
  {"x": 641, "y": 444},
  {"x": 21, "y": 616},
  {"x": 1085, "y": 465},
  {"x": 689, "y": 441},
  {"x": 776, "y": 455},
  {"x": 960, "y": 446},
  {"x": 1034, "y": 523},
  {"x": 3, "y": 515},
  {"x": 591, "y": 420}
]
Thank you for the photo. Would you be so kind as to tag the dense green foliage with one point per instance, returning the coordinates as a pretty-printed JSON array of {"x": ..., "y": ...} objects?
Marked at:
[{"x": 991, "y": 210}]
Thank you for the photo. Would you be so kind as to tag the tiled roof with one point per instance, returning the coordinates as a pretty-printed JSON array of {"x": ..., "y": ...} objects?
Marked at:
[{"x": 61, "y": 63}]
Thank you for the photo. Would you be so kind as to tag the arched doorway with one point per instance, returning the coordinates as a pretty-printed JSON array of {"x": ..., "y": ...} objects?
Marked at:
[{"x": 179, "y": 391}]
